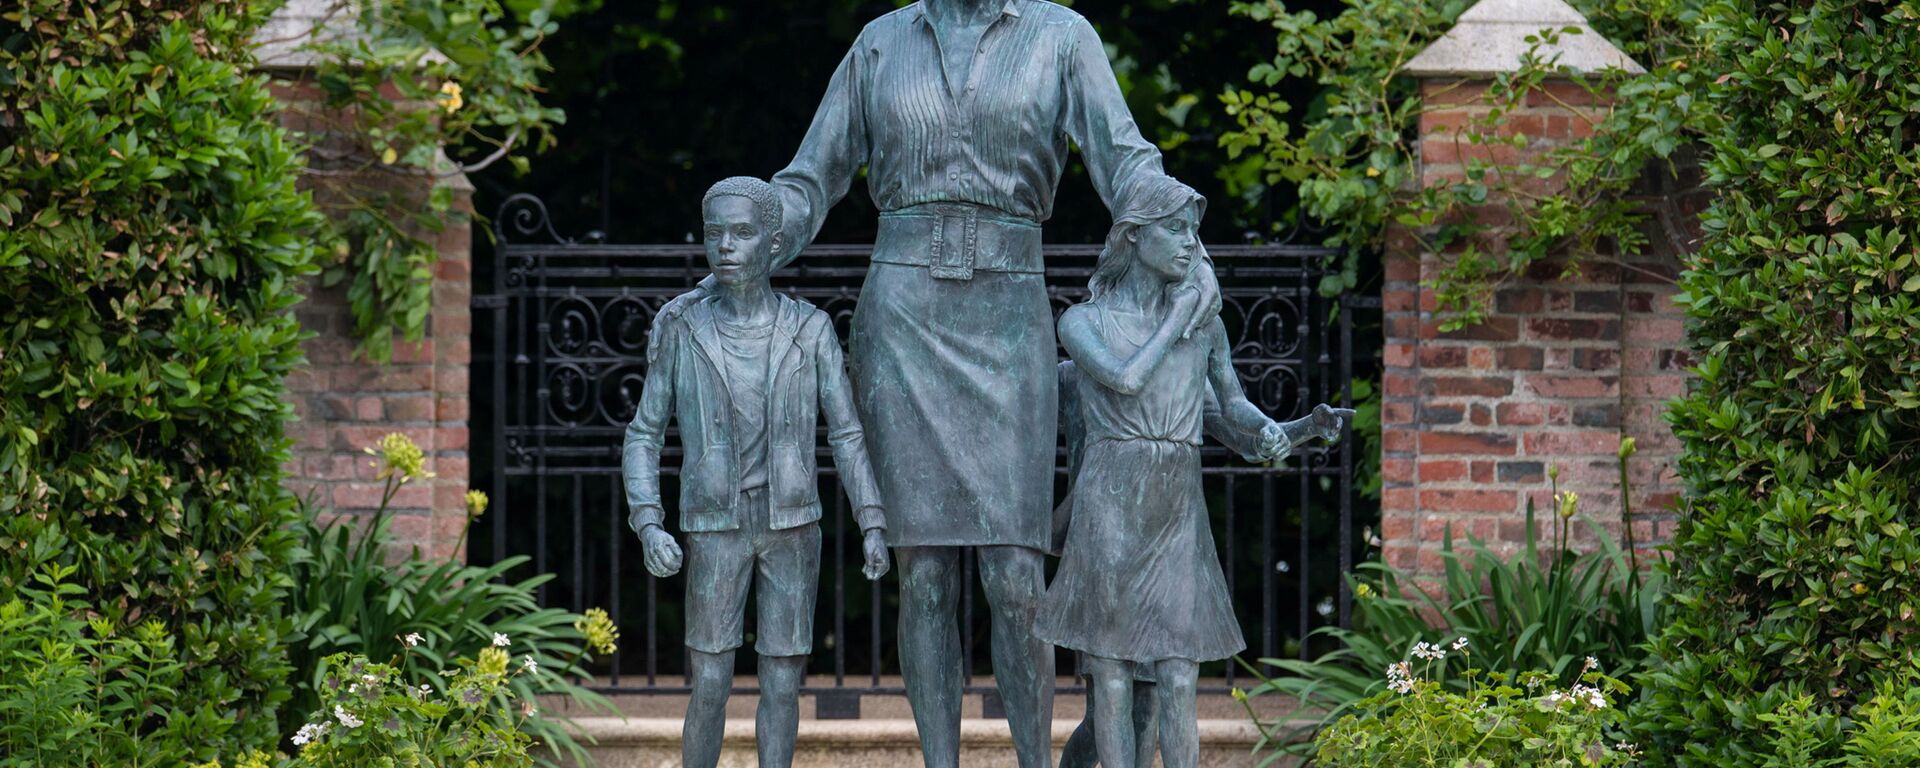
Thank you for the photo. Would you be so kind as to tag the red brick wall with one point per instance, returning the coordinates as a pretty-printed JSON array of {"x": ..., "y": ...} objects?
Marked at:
[
  {"x": 1561, "y": 370},
  {"x": 344, "y": 404}
]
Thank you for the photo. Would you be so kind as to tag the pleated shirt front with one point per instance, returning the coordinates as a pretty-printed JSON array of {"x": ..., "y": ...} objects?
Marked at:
[{"x": 1039, "y": 78}]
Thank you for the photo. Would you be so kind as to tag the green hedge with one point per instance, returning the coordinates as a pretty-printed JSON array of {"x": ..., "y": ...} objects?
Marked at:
[
  {"x": 150, "y": 241},
  {"x": 1798, "y": 572}
]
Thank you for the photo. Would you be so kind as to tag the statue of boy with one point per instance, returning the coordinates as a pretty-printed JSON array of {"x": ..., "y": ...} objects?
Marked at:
[
  {"x": 1139, "y": 582},
  {"x": 746, "y": 371}
]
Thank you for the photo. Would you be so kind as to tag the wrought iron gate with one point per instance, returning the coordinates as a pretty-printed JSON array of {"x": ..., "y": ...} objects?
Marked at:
[{"x": 569, "y": 321}]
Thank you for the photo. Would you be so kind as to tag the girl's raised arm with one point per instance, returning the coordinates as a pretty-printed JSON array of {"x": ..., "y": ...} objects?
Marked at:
[{"x": 1094, "y": 358}]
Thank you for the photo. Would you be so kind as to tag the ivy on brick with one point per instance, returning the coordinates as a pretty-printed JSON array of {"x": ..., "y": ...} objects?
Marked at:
[{"x": 151, "y": 238}]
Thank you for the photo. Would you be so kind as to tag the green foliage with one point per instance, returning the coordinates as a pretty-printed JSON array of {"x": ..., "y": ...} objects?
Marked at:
[
  {"x": 376, "y": 714},
  {"x": 1883, "y": 732},
  {"x": 1352, "y": 150},
  {"x": 1796, "y": 557},
  {"x": 1486, "y": 721},
  {"x": 424, "y": 613},
  {"x": 1533, "y": 611},
  {"x": 80, "y": 691},
  {"x": 150, "y": 240},
  {"x": 417, "y": 77}
]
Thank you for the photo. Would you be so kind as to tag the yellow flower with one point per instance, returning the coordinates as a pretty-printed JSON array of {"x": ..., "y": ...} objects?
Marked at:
[
  {"x": 399, "y": 456},
  {"x": 1859, "y": 588},
  {"x": 1372, "y": 172},
  {"x": 492, "y": 661},
  {"x": 476, "y": 504},
  {"x": 1239, "y": 695},
  {"x": 388, "y": 156},
  {"x": 1568, "y": 500},
  {"x": 449, "y": 97},
  {"x": 599, "y": 631},
  {"x": 1364, "y": 590},
  {"x": 1627, "y": 447}
]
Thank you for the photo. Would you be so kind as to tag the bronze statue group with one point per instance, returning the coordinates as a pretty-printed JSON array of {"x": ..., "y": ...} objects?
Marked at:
[{"x": 942, "y": 420}]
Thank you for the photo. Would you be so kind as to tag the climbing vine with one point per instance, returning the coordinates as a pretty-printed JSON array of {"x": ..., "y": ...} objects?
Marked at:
[
  {"x": 1351, "y": 150},
  {"x": 414, "y": 94}
]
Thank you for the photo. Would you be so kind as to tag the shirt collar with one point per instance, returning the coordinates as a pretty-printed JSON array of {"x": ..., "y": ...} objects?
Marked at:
[{"x": 1010, "y": 8}]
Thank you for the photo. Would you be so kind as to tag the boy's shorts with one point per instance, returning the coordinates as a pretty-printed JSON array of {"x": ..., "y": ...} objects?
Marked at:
[{"x": 784, "y": 568}]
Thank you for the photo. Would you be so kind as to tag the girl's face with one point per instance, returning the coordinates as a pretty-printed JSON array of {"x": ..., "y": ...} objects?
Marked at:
[{"x": 1166, "y": 247}]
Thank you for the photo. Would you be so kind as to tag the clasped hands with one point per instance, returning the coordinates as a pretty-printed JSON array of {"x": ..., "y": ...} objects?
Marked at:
[{"x": 1326, "y": 422}]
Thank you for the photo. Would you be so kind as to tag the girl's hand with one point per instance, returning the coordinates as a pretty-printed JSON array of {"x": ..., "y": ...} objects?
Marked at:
[{"x": 1329, "y": 422}]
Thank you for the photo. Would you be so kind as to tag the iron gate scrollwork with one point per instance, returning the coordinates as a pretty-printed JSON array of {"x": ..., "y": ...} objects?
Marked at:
[{"x": 569, "y": 321}]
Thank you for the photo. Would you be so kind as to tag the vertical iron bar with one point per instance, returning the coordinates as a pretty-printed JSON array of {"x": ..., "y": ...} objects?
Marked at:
[
  {"x": 1309, "y": 361},
  {"x": 839, "y": 590},
  {"x": 1232, "y": 578},
  {"x": 499, "y": 404},
  {"x": 615, "y": 538},
  {"x": 1346, "y": 462},
  {"x": 653, "y": 630},
  {"x": 540, "y": 433},
  {"x": 579, "y": 585},
  {"x": 1270, "y": 550}
]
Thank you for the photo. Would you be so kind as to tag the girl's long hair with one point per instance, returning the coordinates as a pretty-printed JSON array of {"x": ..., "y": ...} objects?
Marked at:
[{"x": 1142, "y": 200}]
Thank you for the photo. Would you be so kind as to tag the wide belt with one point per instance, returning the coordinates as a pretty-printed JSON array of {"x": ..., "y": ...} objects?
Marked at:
[{"x": 953, "y": 240}]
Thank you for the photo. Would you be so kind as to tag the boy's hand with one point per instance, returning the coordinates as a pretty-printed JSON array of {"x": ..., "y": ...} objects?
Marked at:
[
  {"x": 1274, "y": 444},
  {"x": 874, "y": 546},
  {"x": 1328, "y": 421},
  {"x": 662, "y": 554}
]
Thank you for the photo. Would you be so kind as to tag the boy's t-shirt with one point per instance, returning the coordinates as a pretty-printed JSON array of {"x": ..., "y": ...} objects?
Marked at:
[{"x": 747, "y": 360}]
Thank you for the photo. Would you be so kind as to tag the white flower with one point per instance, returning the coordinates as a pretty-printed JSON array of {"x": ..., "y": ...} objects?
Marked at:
[
  {"x": 340, "y": 713},
  {"x": 500, "y": 640},
  {"x": 308, "y": 733},
  {"x": 1460, "y": 643},
  {"x": 529, "y": 664},
  {"x": 1429, "y": 651},
  {"x": 1400, "y": 677},
  {"x": 1592, "y": 664},
  {"x": 414, "y": 639}
]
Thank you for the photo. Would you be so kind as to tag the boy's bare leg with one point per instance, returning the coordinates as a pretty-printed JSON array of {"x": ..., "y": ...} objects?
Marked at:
[
  {"x": 777, "y": 723},
  {"x": 711, "y": 675}
]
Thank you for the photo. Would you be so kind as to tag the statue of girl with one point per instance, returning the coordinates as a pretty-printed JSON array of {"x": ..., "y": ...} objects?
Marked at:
[{"x": 1139, "y": 581}]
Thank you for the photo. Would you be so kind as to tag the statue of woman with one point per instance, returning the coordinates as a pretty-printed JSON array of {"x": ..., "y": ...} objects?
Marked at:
[{"x": 961, "y": 112}]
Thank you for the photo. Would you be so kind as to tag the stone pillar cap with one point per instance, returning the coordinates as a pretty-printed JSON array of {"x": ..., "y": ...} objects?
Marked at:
[{"x": 1490, "y": 38}]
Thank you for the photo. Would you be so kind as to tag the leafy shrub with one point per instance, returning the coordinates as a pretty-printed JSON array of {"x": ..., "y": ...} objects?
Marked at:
[
  {"x": 374, "y": 714},
  {"x": 1795, "y": 571},
  {"x": 1488, "y": 722},
  {"x": 150, "y": 240},
  {"x": 83, "y": 692},
  {"x": 1519, "y": 613},
  {"x": 1883, "y": 732},
  {"x": 424, "y": 613}
]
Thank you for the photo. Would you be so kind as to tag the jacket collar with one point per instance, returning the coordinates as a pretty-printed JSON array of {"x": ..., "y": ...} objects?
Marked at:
[
  {"x": 919, "y": 10},
  {"x": 706, "y": 334}
]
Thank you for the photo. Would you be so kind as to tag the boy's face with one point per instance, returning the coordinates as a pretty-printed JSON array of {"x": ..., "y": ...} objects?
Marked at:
[
  {"x": 739, "y": 250},
  {"x": 1166, "y": 247}
]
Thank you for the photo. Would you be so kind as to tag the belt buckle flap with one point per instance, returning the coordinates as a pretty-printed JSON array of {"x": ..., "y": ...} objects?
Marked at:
[{"x": 954, "y": 261}]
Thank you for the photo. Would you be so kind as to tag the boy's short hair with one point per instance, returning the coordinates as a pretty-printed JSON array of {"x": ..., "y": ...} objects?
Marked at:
[{"x": 765, "y": 200}]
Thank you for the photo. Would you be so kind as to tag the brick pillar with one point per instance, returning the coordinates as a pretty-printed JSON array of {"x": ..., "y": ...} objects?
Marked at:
[
  {"x": 344, "y": 404},
  {"x": 1560, "y": 371}
]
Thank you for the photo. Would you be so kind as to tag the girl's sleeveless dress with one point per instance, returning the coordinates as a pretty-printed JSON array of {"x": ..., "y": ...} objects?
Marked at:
[{"x": 1139, "y": 577}]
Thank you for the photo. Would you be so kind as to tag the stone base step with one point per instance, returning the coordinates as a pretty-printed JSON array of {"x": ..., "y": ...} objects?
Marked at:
[{"x": 893, "y": 743}]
